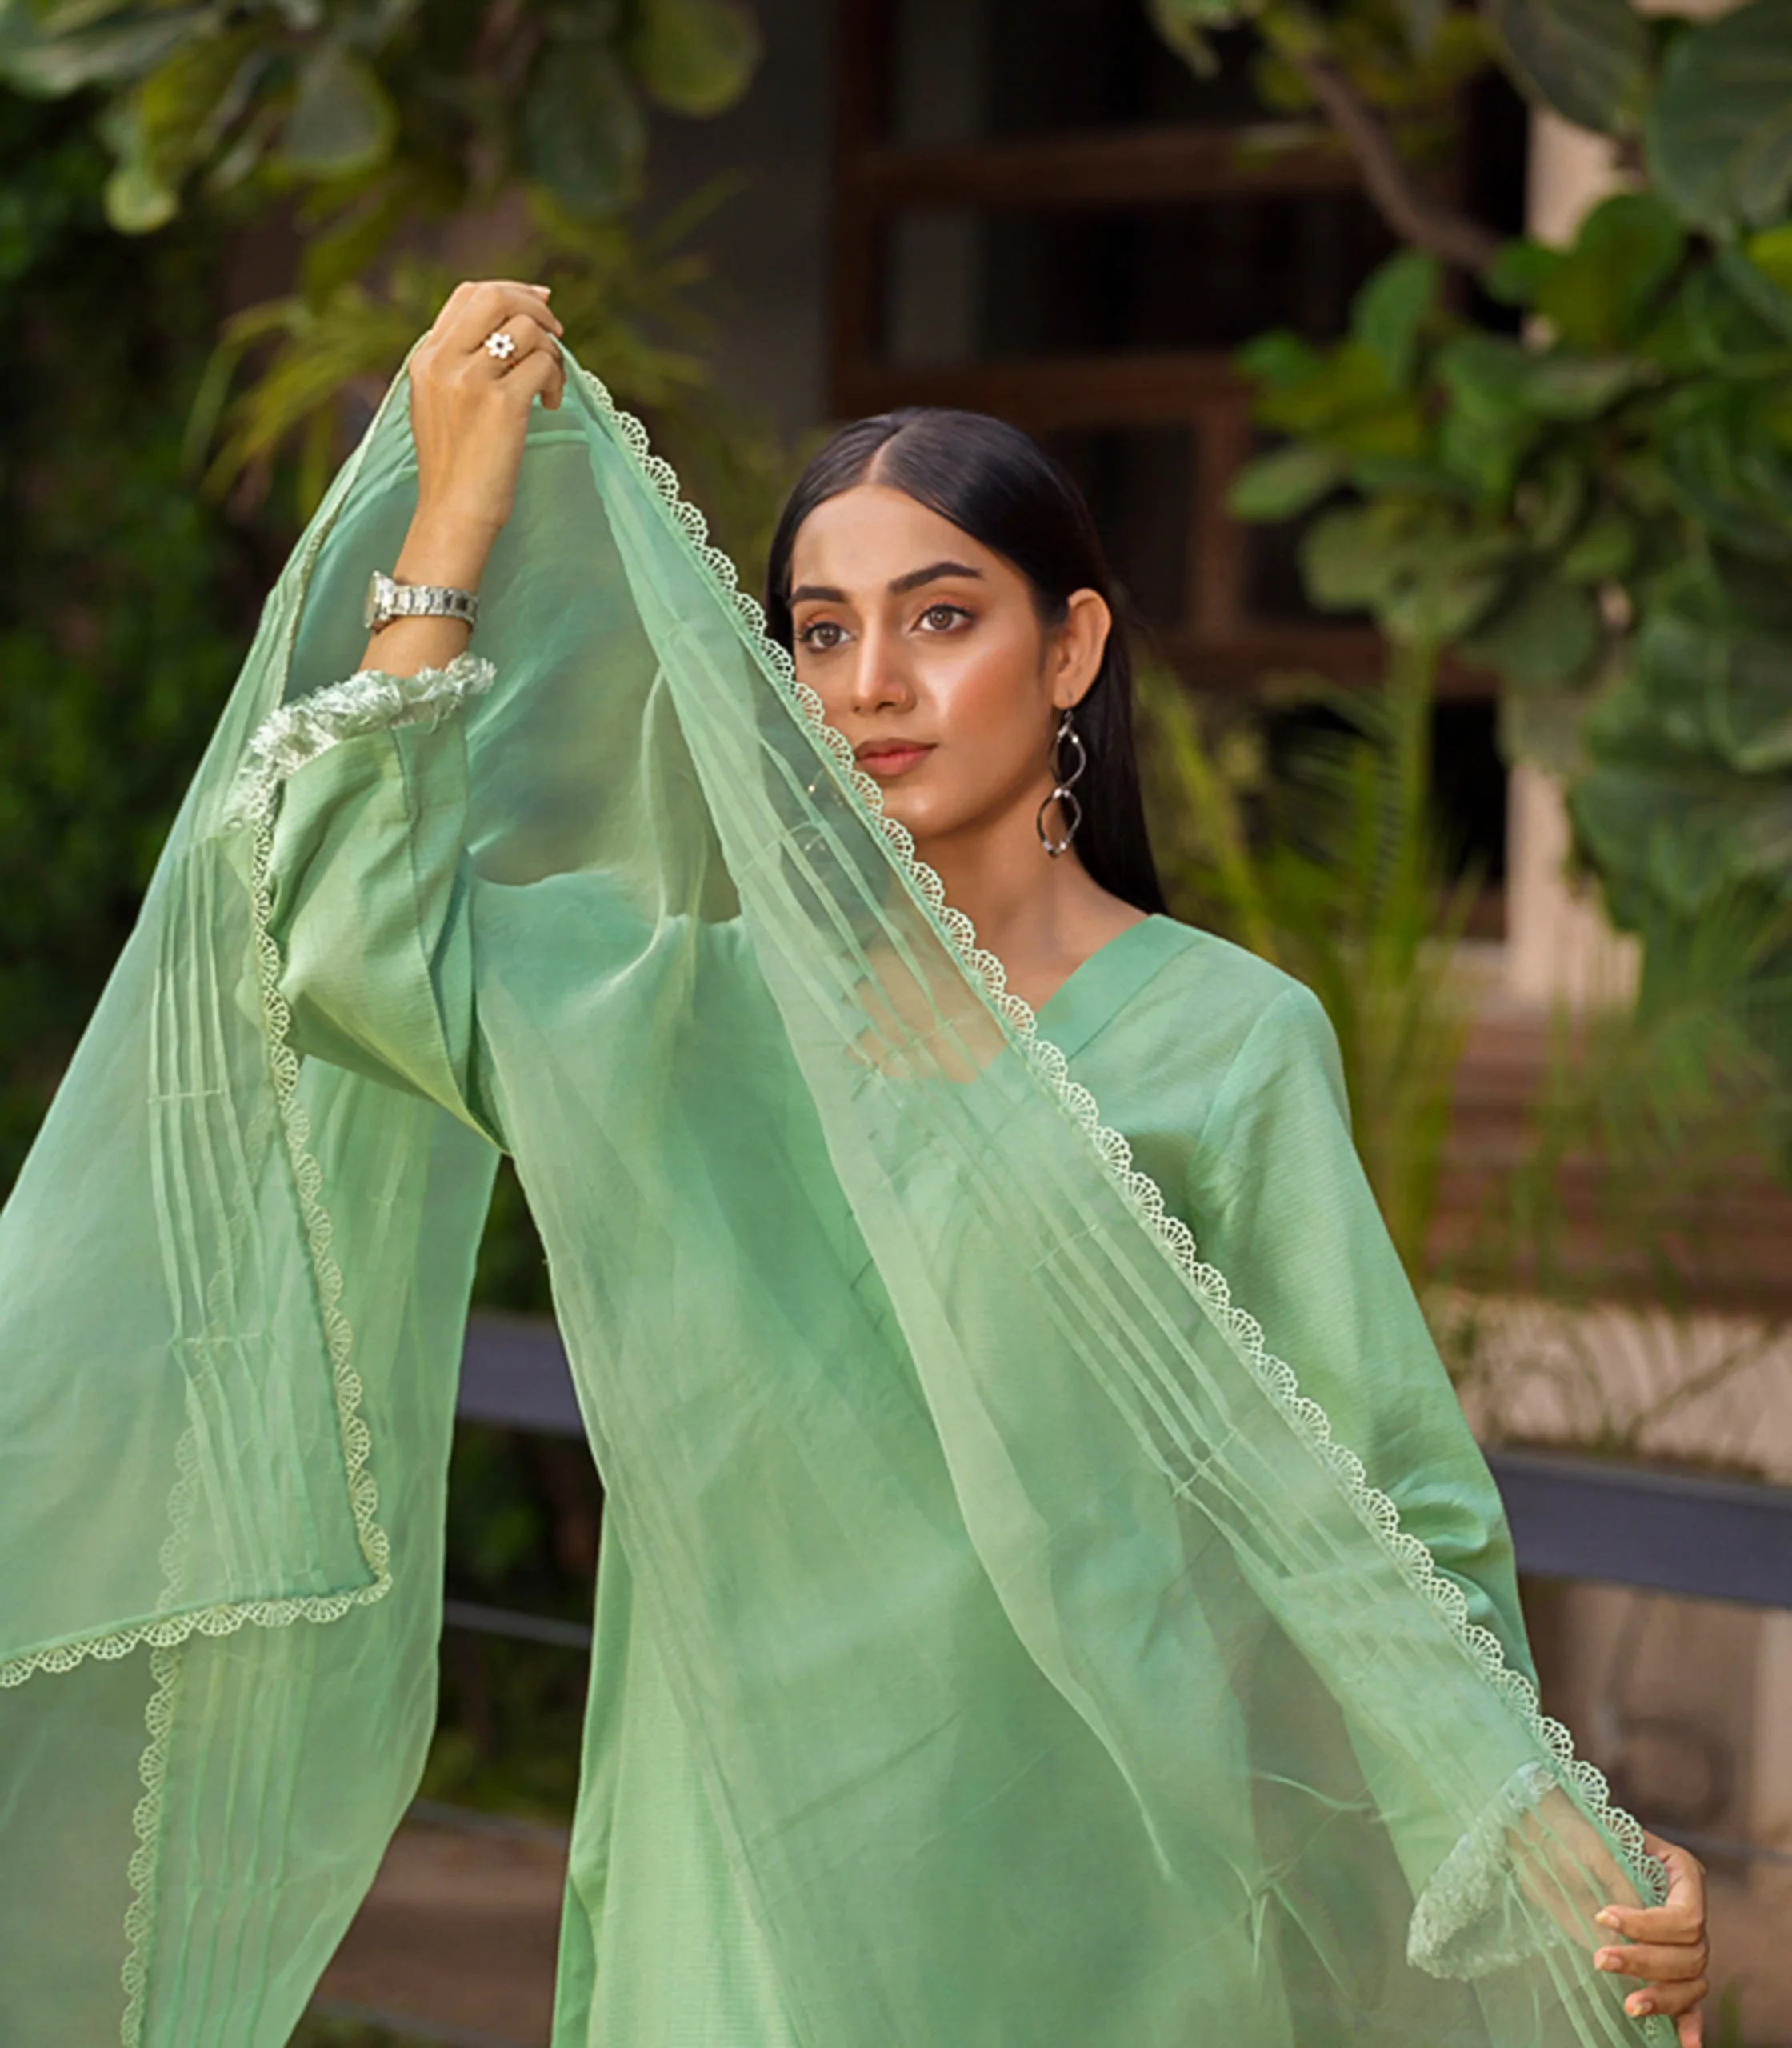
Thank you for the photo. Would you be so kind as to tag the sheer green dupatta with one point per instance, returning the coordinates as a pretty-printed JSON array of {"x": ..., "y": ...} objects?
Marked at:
[
  {"x": 232, "y": 1290},
  {"x": 1193, "y": 1688},
  {"x": 1366, "y": 1816}
]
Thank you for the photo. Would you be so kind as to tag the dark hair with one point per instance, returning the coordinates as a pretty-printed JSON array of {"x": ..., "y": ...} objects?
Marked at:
[{"x": 1000, "y": 486}]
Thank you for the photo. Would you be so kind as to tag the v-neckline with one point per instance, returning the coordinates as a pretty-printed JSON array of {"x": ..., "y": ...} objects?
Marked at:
[{"x": 1097, "y": 987}]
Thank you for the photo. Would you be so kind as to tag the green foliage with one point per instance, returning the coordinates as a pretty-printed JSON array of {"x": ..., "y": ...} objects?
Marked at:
[
  {"x": 1601, "y": 513},
  {"x": 377, "y": 125},
  {"x": 623, "y": 297},
  {"x": 1589, "y": 59},
  {"x": 1407, "y": 59},
  {"x": 1720, "y": 144},
  {"x": 1598, "y": 509},
  {"x": 247, "y": 99},
  {"x": 127, "y": 604}
]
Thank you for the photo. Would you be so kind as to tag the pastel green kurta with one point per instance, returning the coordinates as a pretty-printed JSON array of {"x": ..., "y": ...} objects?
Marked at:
[
  {"x": 1221, "y": 1071},
  {"x": 1050, "y": 1596}
]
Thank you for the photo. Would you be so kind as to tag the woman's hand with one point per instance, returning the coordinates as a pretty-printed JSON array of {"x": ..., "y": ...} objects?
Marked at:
[
  {"x": 469, "y": 410},
  {"x": 469, "y": 417},
  {"x": 1666, "y": 1944}
]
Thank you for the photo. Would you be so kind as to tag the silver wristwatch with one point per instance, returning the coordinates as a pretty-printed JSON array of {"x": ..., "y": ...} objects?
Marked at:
[{"x": 387, "y": 600}]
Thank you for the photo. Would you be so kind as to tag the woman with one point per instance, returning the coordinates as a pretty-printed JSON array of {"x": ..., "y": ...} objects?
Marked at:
[{"x": 992, "y": 1646}]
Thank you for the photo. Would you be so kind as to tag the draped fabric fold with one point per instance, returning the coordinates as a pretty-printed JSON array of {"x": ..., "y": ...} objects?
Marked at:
[{"x": 1046, "y": 1666}]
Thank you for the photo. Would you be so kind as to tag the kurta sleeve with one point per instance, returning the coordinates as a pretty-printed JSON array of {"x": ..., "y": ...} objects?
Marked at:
[
  {"x": 369, "y": 884},
  {"x": 1284, "y": 1209}
]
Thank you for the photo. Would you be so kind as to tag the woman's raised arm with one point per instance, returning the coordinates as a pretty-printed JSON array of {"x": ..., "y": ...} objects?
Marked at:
[{"x": 469, "y": 415}]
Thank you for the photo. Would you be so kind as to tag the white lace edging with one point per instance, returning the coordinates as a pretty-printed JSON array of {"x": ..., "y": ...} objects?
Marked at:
[
  {"x": 1448, "y": 1935},
  {"x": 1375, "y": 1509},
  {"x": 369, "y": 700}
]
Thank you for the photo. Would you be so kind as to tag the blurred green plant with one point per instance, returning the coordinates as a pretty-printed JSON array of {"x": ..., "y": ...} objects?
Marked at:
[
  {"x": 376, "y": 109},
  {"x": 1599, "y": 508},
  {"x": 125, "y": 604},
  {"x": 369, "y": 133}
]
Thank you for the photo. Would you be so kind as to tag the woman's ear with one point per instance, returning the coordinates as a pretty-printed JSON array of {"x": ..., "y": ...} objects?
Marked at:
[{"x": 1080, "y": 643}]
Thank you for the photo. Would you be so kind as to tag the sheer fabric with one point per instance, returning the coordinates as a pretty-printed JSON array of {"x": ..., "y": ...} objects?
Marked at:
[{"x": 996, "y": 1644}]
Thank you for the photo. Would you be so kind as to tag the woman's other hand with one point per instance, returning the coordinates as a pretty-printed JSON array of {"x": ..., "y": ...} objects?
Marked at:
[
  {"x": 1665, "y": 1943},
  {"x": 469, "y": 417}
]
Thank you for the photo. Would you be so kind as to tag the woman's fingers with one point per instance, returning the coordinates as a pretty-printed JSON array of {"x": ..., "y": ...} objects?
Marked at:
[
  {"x": 1678, "y": 2000},
  {"x": 477, "y": 308},
  {"x": 527, "y": 335},
  {"x": 1654, "y": 1959},
  {"x": 1666, "y": 1944},
  {"x": 1680, "y": 1915},
  {"x": 540, "y": 374}
]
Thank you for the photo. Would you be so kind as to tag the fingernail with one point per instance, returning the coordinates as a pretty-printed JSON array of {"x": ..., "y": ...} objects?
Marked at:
[
  {"x": 1606, "y": 1918},
  {"x": 1640, "y": 2004},
  {"x": 1606, "y": 1959}
]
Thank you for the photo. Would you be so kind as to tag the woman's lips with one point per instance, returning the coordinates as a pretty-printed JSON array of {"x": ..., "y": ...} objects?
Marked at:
[{"x": 893, "y": 761}]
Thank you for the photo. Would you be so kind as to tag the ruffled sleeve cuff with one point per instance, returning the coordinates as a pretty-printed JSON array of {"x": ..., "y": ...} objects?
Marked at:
[{"x": 369, "y": 700}]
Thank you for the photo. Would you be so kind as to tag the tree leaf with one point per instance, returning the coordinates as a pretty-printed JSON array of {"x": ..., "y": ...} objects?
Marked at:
[
  {"x": 1604, "y": 548},
  {"x": 1771, "y": 252},
  {"x": 1285, "y": 481},
  {"x": 342, "y": 120},
  {"x": 1391, "y": 308},
  {"x": 1728, "y": 469},
  {"x": 1276, "y": 359},
  {"x": 1446, "y": 582},
  {"x": 1726, "y": 330},
  {"x": 584, "y": 133},
  {"x": 184, "y": 105},
  {"x": 1589, "y": 59},
  {"x": 1764, "y": 296},
  {"x": 1338, "y": 384},
  {"x": 695, "y": 57},
  {"x": 1346, "y": 558},
  {"x": 1604, "y": 288},
  {"x": 1185, "y": 25},
  {"x": 1544, "y": 637},
  {"x": 1519, "y": 270},
  {"x": 1569, "y": 387},
  {"x": 1719, "y": 132},
  {"x": 138, "y": 201},
  {"x": 47, "y": 66}
]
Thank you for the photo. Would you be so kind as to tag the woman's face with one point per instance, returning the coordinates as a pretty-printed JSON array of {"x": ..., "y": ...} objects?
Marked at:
[{"x": 928, "y": 655}]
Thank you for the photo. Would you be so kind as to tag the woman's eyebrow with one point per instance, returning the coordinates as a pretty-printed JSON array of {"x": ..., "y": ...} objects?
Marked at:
[
  {"x": 825, "y": 594},
  {"x": 917, "y": 577}
]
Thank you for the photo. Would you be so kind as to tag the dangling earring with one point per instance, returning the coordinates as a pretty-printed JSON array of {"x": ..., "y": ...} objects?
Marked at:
[{"x": 1061, "y": 793}]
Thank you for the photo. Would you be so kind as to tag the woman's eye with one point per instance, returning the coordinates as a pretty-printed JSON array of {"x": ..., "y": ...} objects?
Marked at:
[
  {"x": 943, "y": 617},
  {"x": 820, "y": 637}
]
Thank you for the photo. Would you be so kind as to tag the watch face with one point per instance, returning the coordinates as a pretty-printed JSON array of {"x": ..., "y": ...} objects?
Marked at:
[{"x": 371, "y": 607}]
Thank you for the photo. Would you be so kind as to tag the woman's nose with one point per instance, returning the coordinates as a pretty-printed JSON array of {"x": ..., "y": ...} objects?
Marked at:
[{"x": 880, "y": 677}]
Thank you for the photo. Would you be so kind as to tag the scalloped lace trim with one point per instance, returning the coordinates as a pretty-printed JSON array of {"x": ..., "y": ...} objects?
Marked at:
[
  {"x": 369, "y": 700},
  {"x": 1463, "y": 1893},
  {"x": 1375, "y": 1508}
]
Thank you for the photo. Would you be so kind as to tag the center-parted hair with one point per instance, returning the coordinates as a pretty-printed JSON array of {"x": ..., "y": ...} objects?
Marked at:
[{"x": 999, "y": 485}]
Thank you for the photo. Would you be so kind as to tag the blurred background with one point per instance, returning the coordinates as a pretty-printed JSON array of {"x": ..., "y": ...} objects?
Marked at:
[{"x": 1429, "y": 371}]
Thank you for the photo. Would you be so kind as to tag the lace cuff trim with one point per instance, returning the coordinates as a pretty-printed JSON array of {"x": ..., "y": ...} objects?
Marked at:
[
  {"x": 369, "y": 700},
  {"x": 1465, "y": 1923}
]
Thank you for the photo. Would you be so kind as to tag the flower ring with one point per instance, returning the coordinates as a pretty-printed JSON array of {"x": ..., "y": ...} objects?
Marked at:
[{"x": 500, "y": 345}]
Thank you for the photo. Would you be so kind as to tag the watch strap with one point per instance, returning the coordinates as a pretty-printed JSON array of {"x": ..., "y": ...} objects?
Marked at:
[{"x": 392, "y": 600}]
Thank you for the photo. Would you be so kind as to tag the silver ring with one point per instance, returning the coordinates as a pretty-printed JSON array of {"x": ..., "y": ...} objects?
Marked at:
[{"x": 500, "y": 345}]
